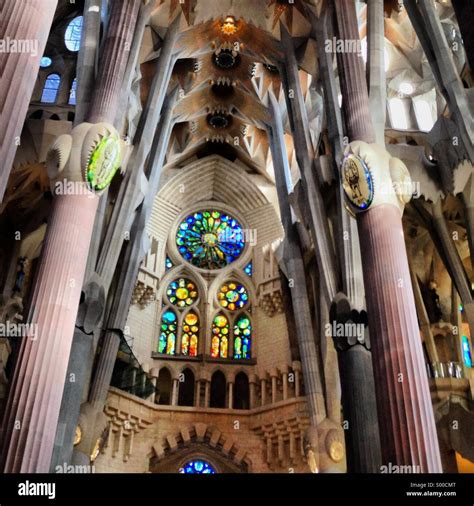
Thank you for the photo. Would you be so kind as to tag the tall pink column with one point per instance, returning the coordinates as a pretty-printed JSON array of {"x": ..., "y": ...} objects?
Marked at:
[
  {"x": 38, "y": 383},
  {"x": 37, "y": 387},
  {"x": 407, "y": 426},
  {"x": 24, "y": 29}
]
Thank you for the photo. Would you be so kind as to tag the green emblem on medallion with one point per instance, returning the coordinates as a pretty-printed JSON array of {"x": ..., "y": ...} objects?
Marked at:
[
  {"x": 357, "y": 182},
  {"x": 104, "y": 163}
]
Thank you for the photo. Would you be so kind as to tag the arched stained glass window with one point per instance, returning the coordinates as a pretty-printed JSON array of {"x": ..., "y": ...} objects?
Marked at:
[
  {"x": 242, "y": 337},
  {"x": 168, "y": 263},
  {"x": 220, "y": 337},
  {"x": 72, "y": 93},
  {"x": 167, "y": 340},
  {"x": 197, "y": 467},
  {"x": 210, "y": 239},
  {"x": 72, "y": 37},
  {"x": 45, "y": 62},
  {"x": 51, "y": 88},
  {"x": 189, "y": 337},
  {"x": 182, "y": 292}
]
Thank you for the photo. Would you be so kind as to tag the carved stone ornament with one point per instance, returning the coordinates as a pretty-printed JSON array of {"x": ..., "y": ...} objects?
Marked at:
[
  {"x": 90, "y": 156},
  {"x": 371, "y": 177}
]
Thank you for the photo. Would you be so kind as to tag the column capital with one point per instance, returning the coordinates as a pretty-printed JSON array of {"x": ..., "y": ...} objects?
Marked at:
[
  {"x": 88, "y": 159},
  {"x": 371, "y": 176}
]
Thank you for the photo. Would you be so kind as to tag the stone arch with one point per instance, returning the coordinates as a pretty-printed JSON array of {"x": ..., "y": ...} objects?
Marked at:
[
  {"x": 186, "y": 387},
  {"x": 198, "y": 441},
  {"x": 214, "y": 179},
  {"x": 218, "y": 393},
  {"x": 233, "y": 274},
  {"x": 164, "y": 384},
  {"x": 241, "y": 391},
  {"x": 182, "y": 271}
]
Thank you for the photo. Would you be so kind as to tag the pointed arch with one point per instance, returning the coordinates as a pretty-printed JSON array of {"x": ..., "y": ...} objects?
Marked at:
[{"x": 220, "y": 336}]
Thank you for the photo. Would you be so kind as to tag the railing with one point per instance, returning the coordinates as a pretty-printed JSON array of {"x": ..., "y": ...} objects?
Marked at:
[{"x": 445, "y": 370}]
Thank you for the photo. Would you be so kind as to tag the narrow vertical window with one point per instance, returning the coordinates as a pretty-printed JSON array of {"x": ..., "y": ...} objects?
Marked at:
[{"x": 51, "y": 88}]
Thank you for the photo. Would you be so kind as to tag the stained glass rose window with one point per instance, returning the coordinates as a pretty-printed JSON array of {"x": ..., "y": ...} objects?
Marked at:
[{"x": 210, "y": 239}]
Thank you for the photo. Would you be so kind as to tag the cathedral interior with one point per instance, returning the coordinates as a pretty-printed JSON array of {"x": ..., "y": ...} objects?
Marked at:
[{"x": 237, "y": 236}]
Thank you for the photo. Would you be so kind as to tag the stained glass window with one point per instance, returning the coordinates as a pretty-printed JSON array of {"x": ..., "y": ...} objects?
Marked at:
[
  {"x": 220, "y": 337},
  {"x": 167, "y": 340},
  {"x": 232, "y": 296},
  {"x": 182, "y": 292},
  {"x": 197, "y": 467},
  {"x": 242, "y": 337},
  {"x": 45, "y": 62},
  {"x": 72, "y": 93},
  {"x": 466, "y": 352},
  {"x": 72, "y": 37},
  {"x": 51, "y": 87},
  {"x": 248, "y": 269},
  {"x": 189, "y": 338},
  {"x": 168, "y": 263},
  {"x": 210, "y": 239}
]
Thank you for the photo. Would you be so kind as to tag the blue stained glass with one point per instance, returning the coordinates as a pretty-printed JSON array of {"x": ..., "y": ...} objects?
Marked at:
[
  {"x": 72, "y": 37},
  {"x": 51, "y": 88},
  {"x": 210, "y": 239},
  {"x": 248, "y": 269},
  {"x": 167, "y": 339},
  {"x": 197, "y": 467},
  {"x": 45, "y": 62},
  {"x": 168, "y": 263},
  {"x": 466, "y": 352},
  {"x": 72, "y": 94}
]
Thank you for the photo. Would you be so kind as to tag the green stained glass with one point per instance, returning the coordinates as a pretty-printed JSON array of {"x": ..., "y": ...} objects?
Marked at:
[
  {"x": 242, "y": 337},
  {"x": 167, "y": 339}
]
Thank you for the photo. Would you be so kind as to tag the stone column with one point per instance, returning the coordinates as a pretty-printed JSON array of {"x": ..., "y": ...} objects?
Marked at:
[
  {"x": 108, "y": 84},
  {"x": 28, "y": 21},
  {"x": 38, "y": 382},
  {"x": 123, "y": 17},
  {"x": 296, "y": 271},
  {"x": 263, "y": 391},
  {"x": 154, "y": 380},
  {"x": 231, "y": 395},
  {"x": 297, "y": 369},
  {"x": 197, "y": 394},
  {"x": 408, "y": 431},
  {"x": 252, "y": 388},
  {"x": 207, "y": 393},
  {"x": 43, "y": 361},
  {"x": 174, "y": 394},
  {"x": 274, "y": 387},
  {"x": 284, "y": 379}
]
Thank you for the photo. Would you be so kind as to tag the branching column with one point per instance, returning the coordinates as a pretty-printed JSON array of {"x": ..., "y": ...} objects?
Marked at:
[
  {"x": 25, "y": 24},
  {"x": 407, "y": 426}
]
